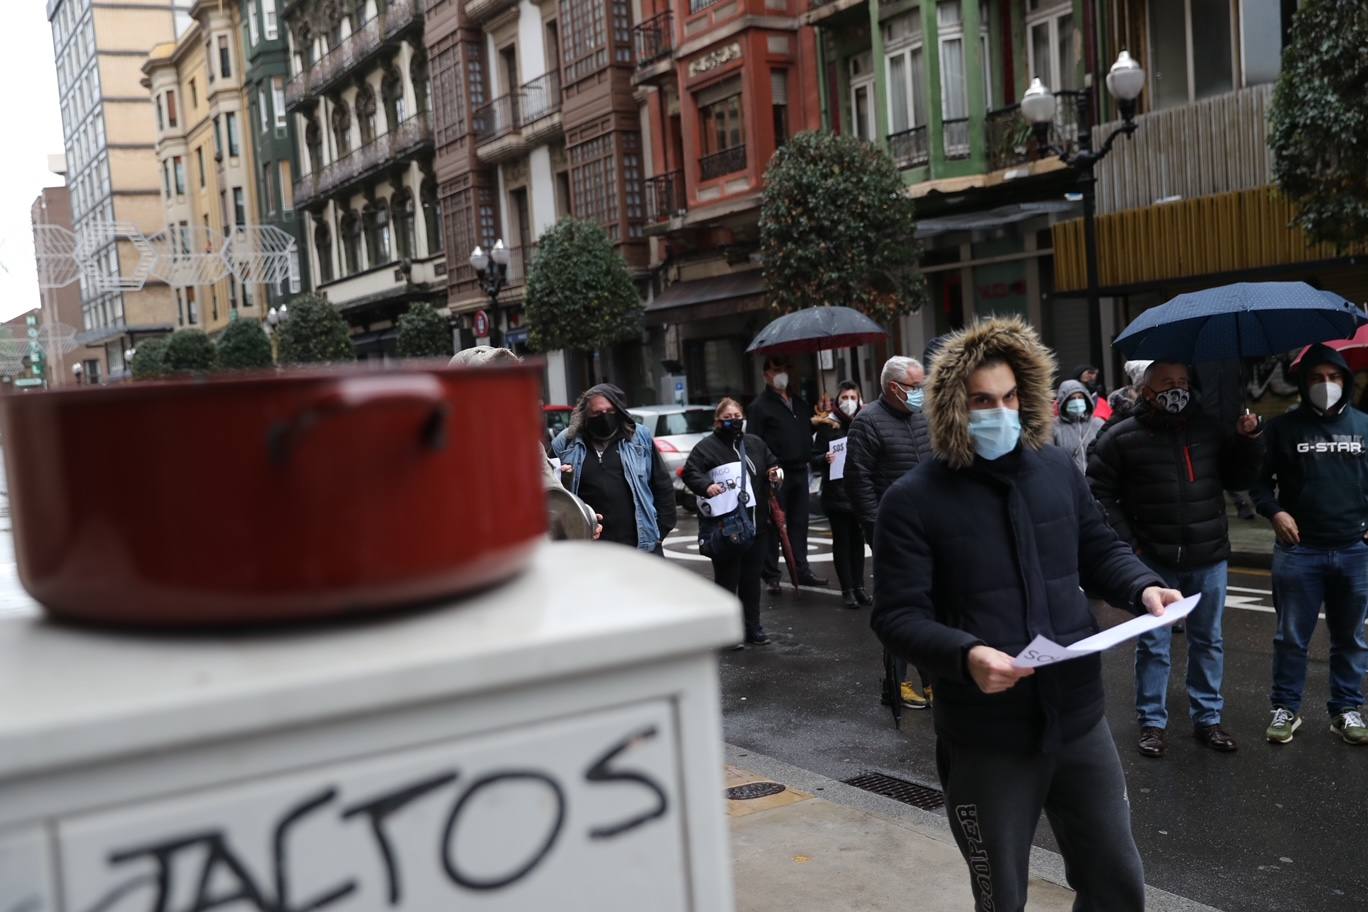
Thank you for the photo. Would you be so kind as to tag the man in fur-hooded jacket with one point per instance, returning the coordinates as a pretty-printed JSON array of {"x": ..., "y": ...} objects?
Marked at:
[{"x": 978, "y": 551}]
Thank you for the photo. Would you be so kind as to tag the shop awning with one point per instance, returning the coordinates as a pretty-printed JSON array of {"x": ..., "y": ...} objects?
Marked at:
[
  {"x": 103, "y": 334},
  {"x": 989, "y": 219},
  {"x": 701, "y": 299}
]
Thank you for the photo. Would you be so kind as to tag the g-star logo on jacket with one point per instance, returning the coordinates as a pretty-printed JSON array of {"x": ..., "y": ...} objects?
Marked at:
[{"x": 1339, "y": 444}]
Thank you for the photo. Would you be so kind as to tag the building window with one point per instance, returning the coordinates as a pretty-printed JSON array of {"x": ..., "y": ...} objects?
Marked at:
[
  {"x": 432, "y": 217},
  {"x": 906, "y": 64},
  {"x": 225, "y": 63},
  {"x": 1050, "y": 43},
  {"x": 405, "y": 220},
  {"x": 209, "y": 58},
  {"x": 861, "y": 73},
  {"x": 586, "y": 38},
  {"x": 593, "y": 181},
  {"x": 199, "y": 162},
  {"x": 166, "y": 177},
  {"x": 218, "y": 139},
  {"x": 392, "y": 88},
  {"x": 233, "y": 137},
  {"x": 278, "y": 97},
  {"x": 178, "y": 165},
  {"x": 351, "y": 242},
  {"x": 365, "y": 113},
  {"x": 779, "y": 100},
  {"x": 378, "y": 240},
  {"x": 265, "y": 111},
  {"x": 194, "y": 95},
  {"x": 171, "y": 107},
  {"x": 161, "y": 118},
  {"x": 341, "y": 124},
  {"x": 253, "y": 33},
  {"x": 239, "y": 207},
  {"x": 721, "y": 121},
  {"x": 191, "y": 307},
  {"x": 954, "y": 84},
  {"x": 313, "y": 141},
  {"x": 323, "y": 248},
  {"x": 1205, "y": 26},
  {"x": 268, "y": 19},
  {"x": 285, "y": 184}
]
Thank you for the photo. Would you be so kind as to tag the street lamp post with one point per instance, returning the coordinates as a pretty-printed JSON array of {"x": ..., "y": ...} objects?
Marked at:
[
  {"x": 1125, "y": 81},
  {"x": 491, "y": 270},
  {"x": 275, "y": 317},
  {"x": 77, "y": 370}
]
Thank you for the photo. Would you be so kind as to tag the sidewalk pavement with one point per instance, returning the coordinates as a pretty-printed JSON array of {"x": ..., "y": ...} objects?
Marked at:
[
  {"x": 1251, "y": 540},
  {"x": 821, "y": 844}
]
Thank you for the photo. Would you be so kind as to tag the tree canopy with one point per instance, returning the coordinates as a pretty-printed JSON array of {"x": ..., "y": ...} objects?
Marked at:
[
  {"x": 1319, "y": 121},
  {"x": 579, "y": 293},
  {"x": 149, "y": 359},
  {"x": 313, "y": 333},
  {"x": 838, "y": 228},
  {"x": 189, "y": 351},
  {"x": 424, "y": 333},
  {"x": 244, "y": 345}
]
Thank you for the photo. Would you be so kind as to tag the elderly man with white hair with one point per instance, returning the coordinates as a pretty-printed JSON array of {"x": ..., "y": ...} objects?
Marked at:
[{"x": 888, "y": 438}]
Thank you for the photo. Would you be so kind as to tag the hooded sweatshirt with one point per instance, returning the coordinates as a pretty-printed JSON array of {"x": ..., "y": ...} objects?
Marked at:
[
  {"x": 974, "y": 552},
  {"x": 1072, "y": 435},
  {"x": 1317, "y": 465}
]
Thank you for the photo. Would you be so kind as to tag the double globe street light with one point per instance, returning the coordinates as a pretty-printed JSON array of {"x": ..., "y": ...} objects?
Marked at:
[
  {"x": 1125, "y": 82},
  {"x": 491, "y": 271}
]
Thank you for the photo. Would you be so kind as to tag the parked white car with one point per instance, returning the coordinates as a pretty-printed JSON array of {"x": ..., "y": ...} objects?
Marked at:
[{"x": 676, "y": 429}]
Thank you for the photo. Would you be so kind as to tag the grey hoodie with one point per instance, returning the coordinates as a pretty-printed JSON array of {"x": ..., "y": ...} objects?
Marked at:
[{"x": 1074, "y": 434}]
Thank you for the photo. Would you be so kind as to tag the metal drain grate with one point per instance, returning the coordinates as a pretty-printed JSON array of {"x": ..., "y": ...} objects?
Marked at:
[
  {"x": 924, "y": 797},
  {"x": 753, "y": 790}
]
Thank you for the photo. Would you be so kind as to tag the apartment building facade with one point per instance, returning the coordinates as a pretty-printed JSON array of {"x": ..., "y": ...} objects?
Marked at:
[
  {"x": 61, "y": 307},
  {"x": 109, "y": 135},
  {"x": 275, "y": 147},
  {"x": 206, "y": 160},
  {"x": 1190, "y": 201},
  {"x": 360, "y": 96}
]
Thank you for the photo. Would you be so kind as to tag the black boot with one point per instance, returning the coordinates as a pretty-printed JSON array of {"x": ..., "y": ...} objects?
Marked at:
[
  {"x": 848, "y": 599},
  {"x": 862, "y": 598}
]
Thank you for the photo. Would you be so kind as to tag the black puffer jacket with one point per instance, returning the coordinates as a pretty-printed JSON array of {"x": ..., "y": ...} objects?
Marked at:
[
  {"x": 713, "y": 451},
  {"x": 1162, "y": 479},
  {"x": 971, "y": 552},
  {"x": 835, "y": 495},
  {"x": 884, "y": 445}
]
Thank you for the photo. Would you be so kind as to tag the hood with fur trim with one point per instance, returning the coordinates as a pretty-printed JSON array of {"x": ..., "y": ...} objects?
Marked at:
[{"x": 947, "y": 396}]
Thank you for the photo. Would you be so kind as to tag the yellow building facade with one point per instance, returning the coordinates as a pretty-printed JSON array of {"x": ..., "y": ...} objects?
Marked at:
[{"x": 204, "y": 161}]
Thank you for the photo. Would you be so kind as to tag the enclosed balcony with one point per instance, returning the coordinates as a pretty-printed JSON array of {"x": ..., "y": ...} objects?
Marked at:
[
  {"x": 481, "y": 11},
  {"x": 357, "y": 49},
  {"x": 511, "y": 124}
]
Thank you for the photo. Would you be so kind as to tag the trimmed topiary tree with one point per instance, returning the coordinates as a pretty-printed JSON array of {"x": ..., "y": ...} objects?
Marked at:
[
  {"x": 190, "y": 351},
  {"x": 149, "y": 359},
  {"x": 424, "y": 333},
  {"x": 314, "y": 333},
  {"x": 838, "y": 228},
  {"x": 579, "y": 293},
  {"x": 1318, "y": 125},
  {"x": 244, "y": 345}
]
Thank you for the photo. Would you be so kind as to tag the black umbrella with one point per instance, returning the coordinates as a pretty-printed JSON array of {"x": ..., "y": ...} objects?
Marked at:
[{"x": 816, "y": 329}]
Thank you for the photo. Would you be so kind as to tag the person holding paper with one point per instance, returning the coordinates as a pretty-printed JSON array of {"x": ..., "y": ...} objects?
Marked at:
[
  {"x": 1314, "y": 490},
  {"x": 828, "y": 455},
  {"x": 978, "y": 551},
  {"x": 1161, "y": 475},
  {"x": 740, "y": 574}
]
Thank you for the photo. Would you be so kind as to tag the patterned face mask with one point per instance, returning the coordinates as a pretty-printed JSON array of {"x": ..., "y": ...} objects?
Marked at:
[{"x": 1173, "y": 401}]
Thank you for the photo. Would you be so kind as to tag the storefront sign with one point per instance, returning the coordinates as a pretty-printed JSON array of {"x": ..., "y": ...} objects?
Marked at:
[{"x": 714, "y": 59}]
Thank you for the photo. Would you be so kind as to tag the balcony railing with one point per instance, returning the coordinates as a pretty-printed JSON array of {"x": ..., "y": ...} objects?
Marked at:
[
  {"x": 910, "y": 148},
  {"x": 410, "y": 135},
  {"x": 541, "y": 98},
  {"x": 728, "y": 161},
  {"x": 956, "y": 137},
  {"x": 498, "y": 118},
  {"x": 1011, "y": 141},
  {"x": 654, "y": 38},
  {"x": 664, "y": 196},
  {"x": 353, "y": 50}
]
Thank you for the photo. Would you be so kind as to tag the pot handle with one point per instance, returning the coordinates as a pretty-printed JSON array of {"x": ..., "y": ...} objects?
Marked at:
[{"x": 354, "y": 393}]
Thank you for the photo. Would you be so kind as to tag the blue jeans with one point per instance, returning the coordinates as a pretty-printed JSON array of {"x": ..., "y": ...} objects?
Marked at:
[
  {"x": 1303, "y": 579},
  {"x": 1206, "y": 650}
]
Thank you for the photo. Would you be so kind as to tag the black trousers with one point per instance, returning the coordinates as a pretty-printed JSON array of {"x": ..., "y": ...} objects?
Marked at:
[
  {"x": 994, "y": 798},
  {"x": 740, "y": 575},
  {"x": 847, "y": 549},
  {"x": 793, "y": 500}
]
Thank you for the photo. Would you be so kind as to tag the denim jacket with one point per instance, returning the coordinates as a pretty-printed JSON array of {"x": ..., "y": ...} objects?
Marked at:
[{"x": 638, "y": 455}]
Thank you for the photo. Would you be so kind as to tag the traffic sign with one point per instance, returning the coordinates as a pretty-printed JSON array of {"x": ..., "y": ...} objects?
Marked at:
[{"x": 481, "y": 323}]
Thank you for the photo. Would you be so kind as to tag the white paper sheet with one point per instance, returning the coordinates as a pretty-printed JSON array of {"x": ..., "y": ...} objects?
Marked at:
[
  {"x": 837, "y": 448},
  {"x": 1043, "y": 651},
  {"x": 729, "y": 477}
]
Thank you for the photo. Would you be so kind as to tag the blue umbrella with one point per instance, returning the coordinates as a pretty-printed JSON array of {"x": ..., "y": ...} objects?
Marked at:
[{"x": 1243, "y": 320}]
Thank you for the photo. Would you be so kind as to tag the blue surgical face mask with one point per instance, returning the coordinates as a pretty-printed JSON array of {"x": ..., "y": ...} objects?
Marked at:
[
  {"x": 914, "y": 398},
  {"x": 995, "y": 431},
  {"x": 1076, "y": 407}
]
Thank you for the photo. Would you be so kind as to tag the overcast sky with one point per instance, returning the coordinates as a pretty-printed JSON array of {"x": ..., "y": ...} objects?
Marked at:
[{"x": 34, "y": 131}]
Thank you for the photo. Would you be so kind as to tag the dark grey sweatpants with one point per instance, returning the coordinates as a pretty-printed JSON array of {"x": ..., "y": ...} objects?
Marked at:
[{"x": 994, "y": 799}]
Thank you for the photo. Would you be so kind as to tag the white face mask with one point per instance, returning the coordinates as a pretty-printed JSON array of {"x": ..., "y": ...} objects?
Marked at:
[
  {"x": 849, "y": 406},
  {"x": 1325, "y": 396},
  {"x": 780, "y": 381}
]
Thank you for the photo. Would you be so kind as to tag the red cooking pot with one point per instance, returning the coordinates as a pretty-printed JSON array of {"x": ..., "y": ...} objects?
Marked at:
[{"x": 266, "y": 498}]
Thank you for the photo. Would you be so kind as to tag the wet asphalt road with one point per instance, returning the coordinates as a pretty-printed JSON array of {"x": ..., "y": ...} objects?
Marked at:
[{"x": 1270, "y": 827}]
